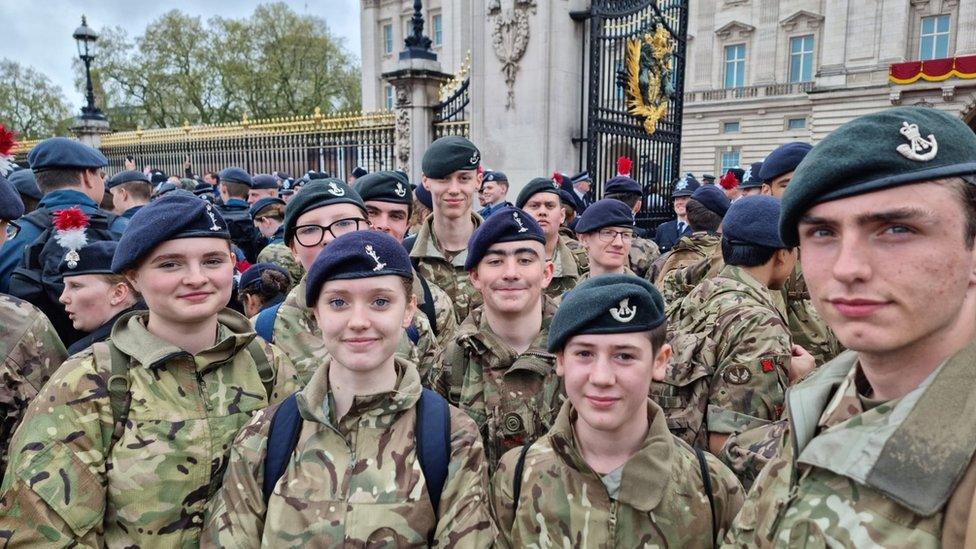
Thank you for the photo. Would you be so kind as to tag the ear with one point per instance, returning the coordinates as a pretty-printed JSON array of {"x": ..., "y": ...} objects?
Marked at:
[
  {"x": 560, "y": 369},
  {"x": 410, "y": 311},
  {"x": 661, "y": 360},
  {"x": 130, "y": 275},
  {"x": 473, "y": 277},
  {"x": 119, "y": 292},
  {"x": 550, "y": 269},
  {"x": 766, "y": 189}
]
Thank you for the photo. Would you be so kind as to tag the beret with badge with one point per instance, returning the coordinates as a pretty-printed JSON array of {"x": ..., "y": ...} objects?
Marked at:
[
  {"x": 449, "y": 154},
  {"x": 622, "y": 184},
  {"x": 685, "y": 186},
  {"x": 384, "y": 186},
  {"x": 94, "y": 258},
  {"x": 318, "y": 193},
  {"x": 127, "y": 176},
  {"x": 713, "y": 198},
  {"x": 878, "y": 151},
  {"x": 534, "y": 187},
  {"x": 178, "y": 214},
  {"x": 359, "y": 254},
  {"x": 606, "y": 304},
  {"x": 506, "y": 225},
  {"x": 750, "y": 178},
  {"x": 255, "y": 209},
  {"x": 753, "y": 221},
  {"x": 784, "y": 159},
  {"x": 235, "y": 175},
  {"x": 61, "y": 152},
  {"x": 605, "y": 213},
  {"x": 264, "y": 181},
  {"x": 495, "y": 176}
]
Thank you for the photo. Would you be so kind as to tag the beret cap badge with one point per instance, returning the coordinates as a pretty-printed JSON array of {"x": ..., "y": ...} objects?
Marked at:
[
  {"x": 475, "y": 158},
  {"x": 336, "y": 190},
  {"x": 518, "y": 220},
  {"x": 400, "y": 190},
  {"x": 372, "y": 253},
  {"x": 623, "y": 312},
  {"x": 213, "y": 219},
  {"x": 914, "y": 150}
]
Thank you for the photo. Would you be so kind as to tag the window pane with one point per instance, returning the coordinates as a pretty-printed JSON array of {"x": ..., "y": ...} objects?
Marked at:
[
  {"x": 941, "y": 47},
  {"x": 925, "y": 50},
  {"x": 928, "y": 25},
  {"x": 796, "y": 123},
  {"x": 735, "y": 65},
  {"x": 388, "y": 38},
  {"x": 730, "y": 127},
  {"x": 943, "y": 23}
]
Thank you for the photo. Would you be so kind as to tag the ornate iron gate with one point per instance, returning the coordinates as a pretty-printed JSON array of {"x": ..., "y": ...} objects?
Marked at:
[{"x": 634, "y": 95}]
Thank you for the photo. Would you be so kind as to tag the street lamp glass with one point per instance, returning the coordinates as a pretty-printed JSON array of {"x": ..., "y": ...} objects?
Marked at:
[{"x": 85, "y": 38}]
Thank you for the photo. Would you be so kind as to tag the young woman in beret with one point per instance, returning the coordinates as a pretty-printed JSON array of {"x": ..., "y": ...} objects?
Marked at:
[{"x": 128, "y": 441}]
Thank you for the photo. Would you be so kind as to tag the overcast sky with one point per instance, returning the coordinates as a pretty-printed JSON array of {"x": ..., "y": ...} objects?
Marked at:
[{"x": 37, "y": 33}]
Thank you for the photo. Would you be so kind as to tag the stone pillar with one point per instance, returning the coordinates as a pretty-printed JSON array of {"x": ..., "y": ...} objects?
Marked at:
[
  {"x": 90, "y": 130},
  {"x": 833, "y": 51},
  {"x": 417, "y": 82}
]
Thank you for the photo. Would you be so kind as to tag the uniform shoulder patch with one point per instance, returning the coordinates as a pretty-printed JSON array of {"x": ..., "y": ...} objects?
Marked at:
[{"x": 737, "y": 375}]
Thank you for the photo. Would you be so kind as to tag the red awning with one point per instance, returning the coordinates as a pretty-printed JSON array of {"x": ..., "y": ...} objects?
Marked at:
[{"x": 933, "y": 70}]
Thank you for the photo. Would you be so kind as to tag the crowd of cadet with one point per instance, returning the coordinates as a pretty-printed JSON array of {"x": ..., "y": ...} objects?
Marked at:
[{"x": 255, "y": 360}]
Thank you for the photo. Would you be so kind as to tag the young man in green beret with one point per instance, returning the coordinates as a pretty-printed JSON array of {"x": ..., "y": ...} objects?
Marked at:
[
  {"x": 609, "y": 473},
  {"x": 878, "y": 450},
  {"x": 496, "y": 368},
  {"x": 439, "y": 250},
  {"x": 540, "y": 199}
]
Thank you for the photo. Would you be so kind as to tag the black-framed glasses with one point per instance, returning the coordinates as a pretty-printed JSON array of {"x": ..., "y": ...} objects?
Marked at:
[
  {"x": 312, "y": 235},
  {"x": 609, "y": 235},
  {"x": 12, "y": 229}
]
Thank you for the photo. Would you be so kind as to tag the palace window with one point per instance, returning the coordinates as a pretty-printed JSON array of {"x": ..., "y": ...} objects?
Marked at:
[
  {"x": 934, "y": 38},
  {"x": 801, "y": 58},
  {"x": 796, "y": 124},
  {"x": 387, "y": 38},
  {"x": 730, "y": 127},
  {"x": 388, "y": 101},
  {"x": 735, "y": 65},
  {"x": 437, "y": 22},
  {"x": 729, "y": 159}
]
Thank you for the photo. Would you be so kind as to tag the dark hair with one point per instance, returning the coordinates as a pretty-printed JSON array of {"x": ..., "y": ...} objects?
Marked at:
[
  {"x": 630, "y": 199},
  {"x": 138, "y": 189},
  {"x": 965, "y": 187},
  {"x": 746, "y": 255},
  {"x": 272, "y": 285},
  {"x": 658, "y": 336},
  {"x": 407, "y": 286},
  {"x": 236, "y": 190},
  {"x": 57, "y": 178},
  {"x": 274, "y": 211},
  {"x": 108, "y": 201},
  {"x": 701, "y": 218}
]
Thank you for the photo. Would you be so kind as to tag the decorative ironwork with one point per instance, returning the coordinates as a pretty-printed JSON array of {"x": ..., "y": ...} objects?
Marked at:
[
  {"x": 613, "y": 127},
  {"x": 648, "y": 77},
  {"x": 450, "y": 115}
]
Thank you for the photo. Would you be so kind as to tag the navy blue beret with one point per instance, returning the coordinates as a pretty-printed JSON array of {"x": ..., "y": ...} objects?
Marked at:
[
  {"x": 605, "y": 213},
  {"x": 753, "y": 220},
  {"x": 11, "y": 206},
  {"x": 424, "y": 196},
  {"x": 567, "y": 199},
  {"x": 26, "y": 184},
  {"x": 685, "y": 186},
  {"x": 164, "y": 188},
  {"x": 235, "y": 175},
  {"x": 582, "y": 176},
  {"x": 252, "y": 276},
  {"x": 127, "y": 176},
  {"x": 712, "y": 198},
  {"x": 784, "y": 159},
  {"x": 282, "y": 176},
  {"x": 534, "y": 187},
  {"x": 359, "y": 254},
  {"x": 449, "y": 154},
  {"x": 750, "y": 178},
  {"x": 264, "y": 181},
  {"x": 495, "y": 176},
  {"x": 157, "y": 177},
  {"x": 384, "y": 186},
  {"x": 61, "y": 152},
  {"x": 94, "y": 258},
  {"x": 606, "y": 304},
  {"x": 317, "y": 194},
  {"x": 622, "y": 184},
  {"x": 359, "y": 171},
  {"x": 505, "y": 225},
  {"x": 262, "y": 204},
  {"x": 287, "y": 187},
  {"x": 179, "y": 214},
  {"x": 312, "y": 175}
]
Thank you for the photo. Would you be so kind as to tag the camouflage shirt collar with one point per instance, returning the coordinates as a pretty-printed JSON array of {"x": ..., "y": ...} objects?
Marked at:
[
  {"x": 700, "y": 241},
  {"x": 562, "y": 259},
  {"x": 133, "y": 339},
  {"x": 476, "y": 334},
  {"x": 747, "y": 284},
  {"x": 425, "y": 245},
  {"x": 646, "y": 475}
]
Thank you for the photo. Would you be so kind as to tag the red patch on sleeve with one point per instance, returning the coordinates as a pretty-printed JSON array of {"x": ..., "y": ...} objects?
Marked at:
[{"x": 767, "y": 365}]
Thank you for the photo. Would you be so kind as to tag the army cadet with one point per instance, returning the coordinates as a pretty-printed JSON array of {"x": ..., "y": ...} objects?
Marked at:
[
  {"x": 494, "y": 189},
  {"x": 324, "y": 210},
  {"x": 606, "y": 232},
  {"x": 262, "y": 285},
  {"x": 365, "y": 412},
  {"x": 875, "y": 452},
  {"x": 263, "y": 185},
  {"x": 733, "y": 351},
  {"x": 496, "y": 368},
  {"x": 706, "y": 208},
  {"x": 95, "y": 297},
  {"x": 268, "y": 215},
  {"x": 609, "y": 473},
  {"x": 751, "y": 182},
  {"x": 540, "y": 199},
  {"x": 439, "y": 249},
  {"x": 127, "y": 442},
  {"x": 668, "y": 233},
  {"x": 130, "y": 191},
  {"x": 29, "y": 346},
  {"x": 643, "y": 252},
  {"x": 388, "y": 201},
  {"x": 235, "y": 186}
]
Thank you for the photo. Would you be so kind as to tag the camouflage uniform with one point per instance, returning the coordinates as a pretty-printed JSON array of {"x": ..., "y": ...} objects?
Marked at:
[
  {"x": 353, "y": 481},
  {"x": 643, "y": 253},
  {"x": 566, "y": 271},
  {"x": 281, "y": 255},
  {"x": 852, "y": 472},
  {"x": 446, "y": 271},
  {"x": 67, "y": 485},
  {"x": 678, "y": 283},
  {"x": 731, "y": 363},
  {"x": 748, "y": 452},
  {"x": 298, "y": 335},
  {"x": 658, "y": 499},
  {"x": 31, "y": 352},
  {"x": 688, "y": 251},
  {"x": 511, "y": 397},
  {"x": 806, "y": 325}
]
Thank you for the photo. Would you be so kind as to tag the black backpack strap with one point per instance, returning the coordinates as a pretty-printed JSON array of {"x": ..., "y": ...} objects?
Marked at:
[
  {"x": 433, "y": 432},
  {"x": 286, "y": 425},
  {"x": 264, "y": 324},
  {"x": 428, "y": 305},
  {"x": 707, "y": 481},
  {"x": 517, "y": 477},
  {"x": 265, "y": 369},
  {"x": 119, "y": 396}
]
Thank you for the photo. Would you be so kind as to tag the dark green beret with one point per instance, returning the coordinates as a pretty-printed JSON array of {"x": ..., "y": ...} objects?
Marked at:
[
  {"x": 385, "y": 186},
  {"x": 316, "y": 194},
  {"x": 448, "y": 155},
  {"x": 536, "y": 186},
  {"x": 878, "y": 151},
  {"x": 606, "y": 304}
]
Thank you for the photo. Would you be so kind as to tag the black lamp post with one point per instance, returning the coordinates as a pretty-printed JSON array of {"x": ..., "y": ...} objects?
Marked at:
[
  {"x": 417, "y": 46},
  {"x": 86, "y": 37}
]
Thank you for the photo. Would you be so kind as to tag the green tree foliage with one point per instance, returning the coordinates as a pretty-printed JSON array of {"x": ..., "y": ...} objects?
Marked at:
[
  {"x": 274, "y": 63},
  {"x": 30, "y": 104}
]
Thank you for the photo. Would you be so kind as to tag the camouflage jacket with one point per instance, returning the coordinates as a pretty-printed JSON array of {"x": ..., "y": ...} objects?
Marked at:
[
  {"x": 67, "y": 485},
  {"x": 806, "y": 325},
  {"x": 566, "y": 268},
  {"x": 689, "y": 250},
  {"x": 732, "y": 351},
  {"x": 31, "y": 352},
  {"x": 643, "y": 253},
  {"x": 281, "y": 255},
  {"x": 511, "y": 397},
  {"x": 447, "y": 273},
  {"x": 353, "y": 481},
  {"x": 678, "y": 283},
  {"x": 297, "y": 334},
  {"x": 660, "y": 496},
  {"x": 854, "y": 473}
]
